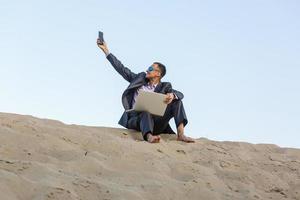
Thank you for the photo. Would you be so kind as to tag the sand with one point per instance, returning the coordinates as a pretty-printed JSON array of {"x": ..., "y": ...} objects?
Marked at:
[{"x": 47, "y": 159}]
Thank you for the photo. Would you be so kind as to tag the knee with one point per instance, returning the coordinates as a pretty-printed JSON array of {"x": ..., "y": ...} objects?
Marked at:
[
  {"x": 145, "y": 114},
  {"x": 177, "y": 102}
]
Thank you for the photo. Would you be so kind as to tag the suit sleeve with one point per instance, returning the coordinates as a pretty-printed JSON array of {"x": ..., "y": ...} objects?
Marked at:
[
  {"x": 126, "y": 73},
  {"x": 178, "y": 94}
]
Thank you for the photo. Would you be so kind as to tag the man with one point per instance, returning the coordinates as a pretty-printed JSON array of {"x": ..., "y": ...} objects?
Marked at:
[{"x": 150, "y": 126}]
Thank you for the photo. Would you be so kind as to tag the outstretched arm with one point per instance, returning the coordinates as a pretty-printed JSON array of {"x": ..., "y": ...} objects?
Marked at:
[{"x": 127, "y": 74}]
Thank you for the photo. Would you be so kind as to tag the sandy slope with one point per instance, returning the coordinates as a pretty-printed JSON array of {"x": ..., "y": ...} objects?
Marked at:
[{"x": 46, "y": 159}]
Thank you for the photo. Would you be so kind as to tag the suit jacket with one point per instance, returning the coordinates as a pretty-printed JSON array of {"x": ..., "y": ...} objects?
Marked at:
[{"x": 136, "y": 81}]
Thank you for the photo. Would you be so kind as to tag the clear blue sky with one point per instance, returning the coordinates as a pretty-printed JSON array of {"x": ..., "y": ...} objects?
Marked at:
[{"x": 237, "y": 62}]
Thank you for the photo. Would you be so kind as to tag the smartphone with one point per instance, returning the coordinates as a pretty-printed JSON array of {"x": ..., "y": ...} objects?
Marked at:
[{"x": 100, "y": 37}]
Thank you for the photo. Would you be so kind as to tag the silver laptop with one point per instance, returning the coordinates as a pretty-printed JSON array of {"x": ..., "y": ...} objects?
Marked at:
[{"x": 151, "y": 102}]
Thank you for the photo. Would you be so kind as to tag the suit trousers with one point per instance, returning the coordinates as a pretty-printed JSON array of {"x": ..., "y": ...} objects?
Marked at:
[{"x": 148, "y": 123}]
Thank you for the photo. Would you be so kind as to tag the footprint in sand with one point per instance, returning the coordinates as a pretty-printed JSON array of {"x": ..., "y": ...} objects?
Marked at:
[{"x": 180, "y": 151}]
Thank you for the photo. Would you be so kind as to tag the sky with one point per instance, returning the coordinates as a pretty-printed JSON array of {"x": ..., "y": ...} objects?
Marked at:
[{"x": 236, "y": 62}]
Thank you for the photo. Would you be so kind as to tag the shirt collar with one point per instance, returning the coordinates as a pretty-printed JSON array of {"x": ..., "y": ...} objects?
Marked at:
[{"x": 148, "y": 84}]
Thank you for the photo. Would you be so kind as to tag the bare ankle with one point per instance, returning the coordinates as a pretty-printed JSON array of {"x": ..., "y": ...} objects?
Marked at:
[
  {"x": 148, "y": 135},
  {"x": 180, "y": 134}
]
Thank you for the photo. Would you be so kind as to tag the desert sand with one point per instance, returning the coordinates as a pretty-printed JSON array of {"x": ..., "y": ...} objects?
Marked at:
[{"x": 47, "y": 159}]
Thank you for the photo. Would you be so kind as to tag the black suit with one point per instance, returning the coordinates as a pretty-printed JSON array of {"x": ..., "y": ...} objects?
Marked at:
[{"x": 132, "y": 120}]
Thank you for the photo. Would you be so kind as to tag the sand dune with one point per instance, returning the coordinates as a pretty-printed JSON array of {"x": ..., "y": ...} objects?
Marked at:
[{"x": 46, "y": 159}]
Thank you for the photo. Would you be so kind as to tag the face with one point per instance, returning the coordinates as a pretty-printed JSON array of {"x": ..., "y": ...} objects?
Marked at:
[{"x": 153, "y": 71}]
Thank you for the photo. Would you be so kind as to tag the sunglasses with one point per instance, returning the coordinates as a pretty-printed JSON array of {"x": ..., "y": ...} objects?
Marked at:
[{"x": 150, "y": 69}]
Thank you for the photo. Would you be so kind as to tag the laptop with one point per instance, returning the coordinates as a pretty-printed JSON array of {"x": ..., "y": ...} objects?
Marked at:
[{"x": 151, "y": 102}]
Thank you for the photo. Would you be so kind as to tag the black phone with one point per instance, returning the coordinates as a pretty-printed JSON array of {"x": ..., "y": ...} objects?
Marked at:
[{"x": 100, "y": 37}]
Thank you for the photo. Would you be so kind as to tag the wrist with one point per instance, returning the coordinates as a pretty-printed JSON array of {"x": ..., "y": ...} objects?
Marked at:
[{"x": 106, "y": 52}]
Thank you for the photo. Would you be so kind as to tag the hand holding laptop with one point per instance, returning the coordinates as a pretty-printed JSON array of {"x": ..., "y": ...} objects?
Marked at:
[{"x": 169, "y": 98}]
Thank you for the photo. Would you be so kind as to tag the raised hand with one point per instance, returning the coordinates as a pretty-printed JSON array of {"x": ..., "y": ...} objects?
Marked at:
[{"x": 103, "y": 47}]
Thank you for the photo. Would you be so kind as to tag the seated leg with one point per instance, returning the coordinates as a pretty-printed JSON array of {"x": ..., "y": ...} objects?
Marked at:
[
  {"x": 174, "y": 109},
  {"x": 143, "y": 121}
]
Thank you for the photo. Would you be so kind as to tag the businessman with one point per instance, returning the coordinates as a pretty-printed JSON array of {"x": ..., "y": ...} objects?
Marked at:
[{"x": 150, "y": 126}]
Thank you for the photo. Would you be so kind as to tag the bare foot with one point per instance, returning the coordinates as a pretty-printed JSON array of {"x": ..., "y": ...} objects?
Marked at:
[
  {"x": 153, "y": 138},
  {"x": 185, "y": 138}
]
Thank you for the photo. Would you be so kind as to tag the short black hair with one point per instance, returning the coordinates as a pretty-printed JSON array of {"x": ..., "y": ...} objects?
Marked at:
[{"x": 162, "y": 68}]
